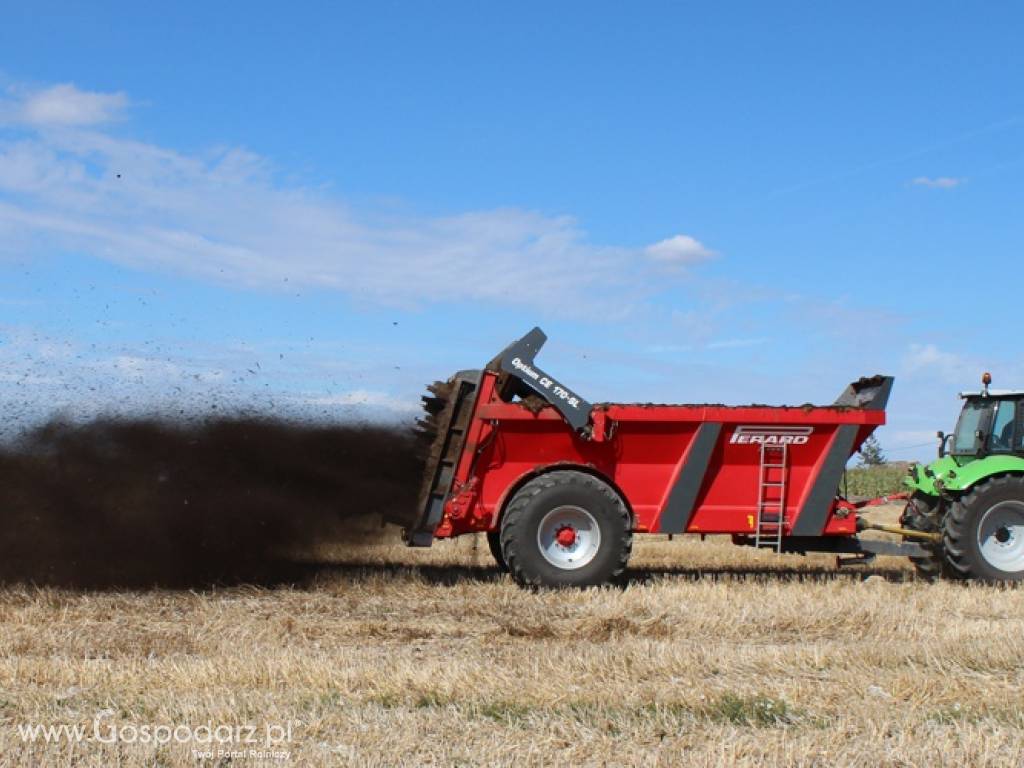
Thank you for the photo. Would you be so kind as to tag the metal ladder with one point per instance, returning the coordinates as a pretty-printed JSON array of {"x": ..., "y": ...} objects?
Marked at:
[{"x": 771, "y": 497}]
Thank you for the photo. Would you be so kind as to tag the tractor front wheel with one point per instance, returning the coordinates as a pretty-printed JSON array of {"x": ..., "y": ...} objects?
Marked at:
[
  {"x": 984, "y": 531},
  {"x": 566, "y": 529},
  {"x": 924, "y": 513}
]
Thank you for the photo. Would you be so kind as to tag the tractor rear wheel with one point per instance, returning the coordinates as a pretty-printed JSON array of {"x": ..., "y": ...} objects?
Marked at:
[
  {"x": 923, "y": 513},
  {"x": 984, "y": 531},
  {"x": 566, "y": 529},
  {"x": 494, "y": 544}
]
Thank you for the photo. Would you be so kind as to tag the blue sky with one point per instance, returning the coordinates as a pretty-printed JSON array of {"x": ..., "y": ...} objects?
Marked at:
[{"x": 325, "y": 206}]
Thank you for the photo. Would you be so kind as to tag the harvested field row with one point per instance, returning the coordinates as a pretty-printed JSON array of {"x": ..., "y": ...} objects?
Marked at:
[{"x": 710, "y": 655}]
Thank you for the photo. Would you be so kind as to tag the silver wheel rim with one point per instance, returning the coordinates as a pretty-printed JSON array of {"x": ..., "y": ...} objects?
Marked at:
[
  {"x": 551, "y": 537},
  {"x": 1001, "y": 536}
]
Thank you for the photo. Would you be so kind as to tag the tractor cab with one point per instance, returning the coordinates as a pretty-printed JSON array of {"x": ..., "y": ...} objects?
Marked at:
[{"x": 991, "y": 422}]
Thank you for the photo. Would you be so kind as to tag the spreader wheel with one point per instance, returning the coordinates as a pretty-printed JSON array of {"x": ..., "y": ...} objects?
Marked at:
[
  {"x": 566, "y": 529},
  {"x": 984, "y": 531},
  {"x": 494, "y": 544}
]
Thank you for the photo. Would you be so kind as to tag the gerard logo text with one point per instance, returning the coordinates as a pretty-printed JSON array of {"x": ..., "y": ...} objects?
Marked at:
[{"x": 771, "y": 435}]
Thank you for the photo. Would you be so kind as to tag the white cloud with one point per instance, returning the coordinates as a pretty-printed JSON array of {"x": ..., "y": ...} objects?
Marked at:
[
  {"x": 62, "y": 105},
  {"x": 680, "y": 249},
  {"x": 736, "y": 343},
  {"x": 222, "y": 216},
  {"x": 929, "y": 359},
  {"x": 922, "y": 356},
  {"x": 939, "y": 182}
]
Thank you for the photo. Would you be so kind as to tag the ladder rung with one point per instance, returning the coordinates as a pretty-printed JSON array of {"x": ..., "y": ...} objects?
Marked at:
[{"x": 771, "y": 512}]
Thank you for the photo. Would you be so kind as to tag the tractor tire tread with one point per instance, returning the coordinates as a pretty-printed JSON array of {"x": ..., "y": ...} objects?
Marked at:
[{"x": 921, "y": 514}]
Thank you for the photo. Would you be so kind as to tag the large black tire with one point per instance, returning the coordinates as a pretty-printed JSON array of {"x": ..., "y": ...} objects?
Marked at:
[
  {"x": 983, "y": 535},
  {"x": 494, "y": 544},
  {"x": 924, "y": 513},
  {"x": 554, "y": 502}
]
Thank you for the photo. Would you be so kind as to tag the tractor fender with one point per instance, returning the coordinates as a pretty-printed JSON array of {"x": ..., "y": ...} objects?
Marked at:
[
  {"x": 543, "y": 469},
  {"x": 963, "y": 478}
]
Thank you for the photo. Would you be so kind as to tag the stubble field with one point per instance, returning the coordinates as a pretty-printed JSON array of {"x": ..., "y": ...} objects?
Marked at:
[{"x": 710, "y": 655}]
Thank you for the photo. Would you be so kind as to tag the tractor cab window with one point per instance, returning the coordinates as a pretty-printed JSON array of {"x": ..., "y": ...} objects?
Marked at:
[
  {"x": 975, "y": 417},
  {"x": 1003, "y": 426}
]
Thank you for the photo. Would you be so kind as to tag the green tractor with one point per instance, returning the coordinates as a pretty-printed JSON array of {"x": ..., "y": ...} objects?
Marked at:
[{"x": 971, "y": 499}]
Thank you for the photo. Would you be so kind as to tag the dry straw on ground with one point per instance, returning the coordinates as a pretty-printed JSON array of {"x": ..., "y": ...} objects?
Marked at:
[{"x": 711, "y": 655}]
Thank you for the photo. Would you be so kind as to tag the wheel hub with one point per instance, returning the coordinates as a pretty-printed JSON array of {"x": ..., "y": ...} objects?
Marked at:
[
  {"x": 1001, "y": 536},
  {"x": 568, "y": 537}
]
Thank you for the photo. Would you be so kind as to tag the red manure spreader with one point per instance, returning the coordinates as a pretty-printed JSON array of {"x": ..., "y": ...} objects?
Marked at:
[{"x": 560, "y": 485}]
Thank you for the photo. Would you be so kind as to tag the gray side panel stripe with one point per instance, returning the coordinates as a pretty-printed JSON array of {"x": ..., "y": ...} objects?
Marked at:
[
  {"x": 683, "y": 495},
  {"x": 814, "y": 512}
]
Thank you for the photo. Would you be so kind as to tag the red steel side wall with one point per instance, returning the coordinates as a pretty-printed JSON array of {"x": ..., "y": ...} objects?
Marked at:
[{"x": 649, "y": 452}]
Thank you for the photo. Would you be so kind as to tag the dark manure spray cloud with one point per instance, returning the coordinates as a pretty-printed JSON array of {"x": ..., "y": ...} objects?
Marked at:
[{"x": 139, "y": 503}]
